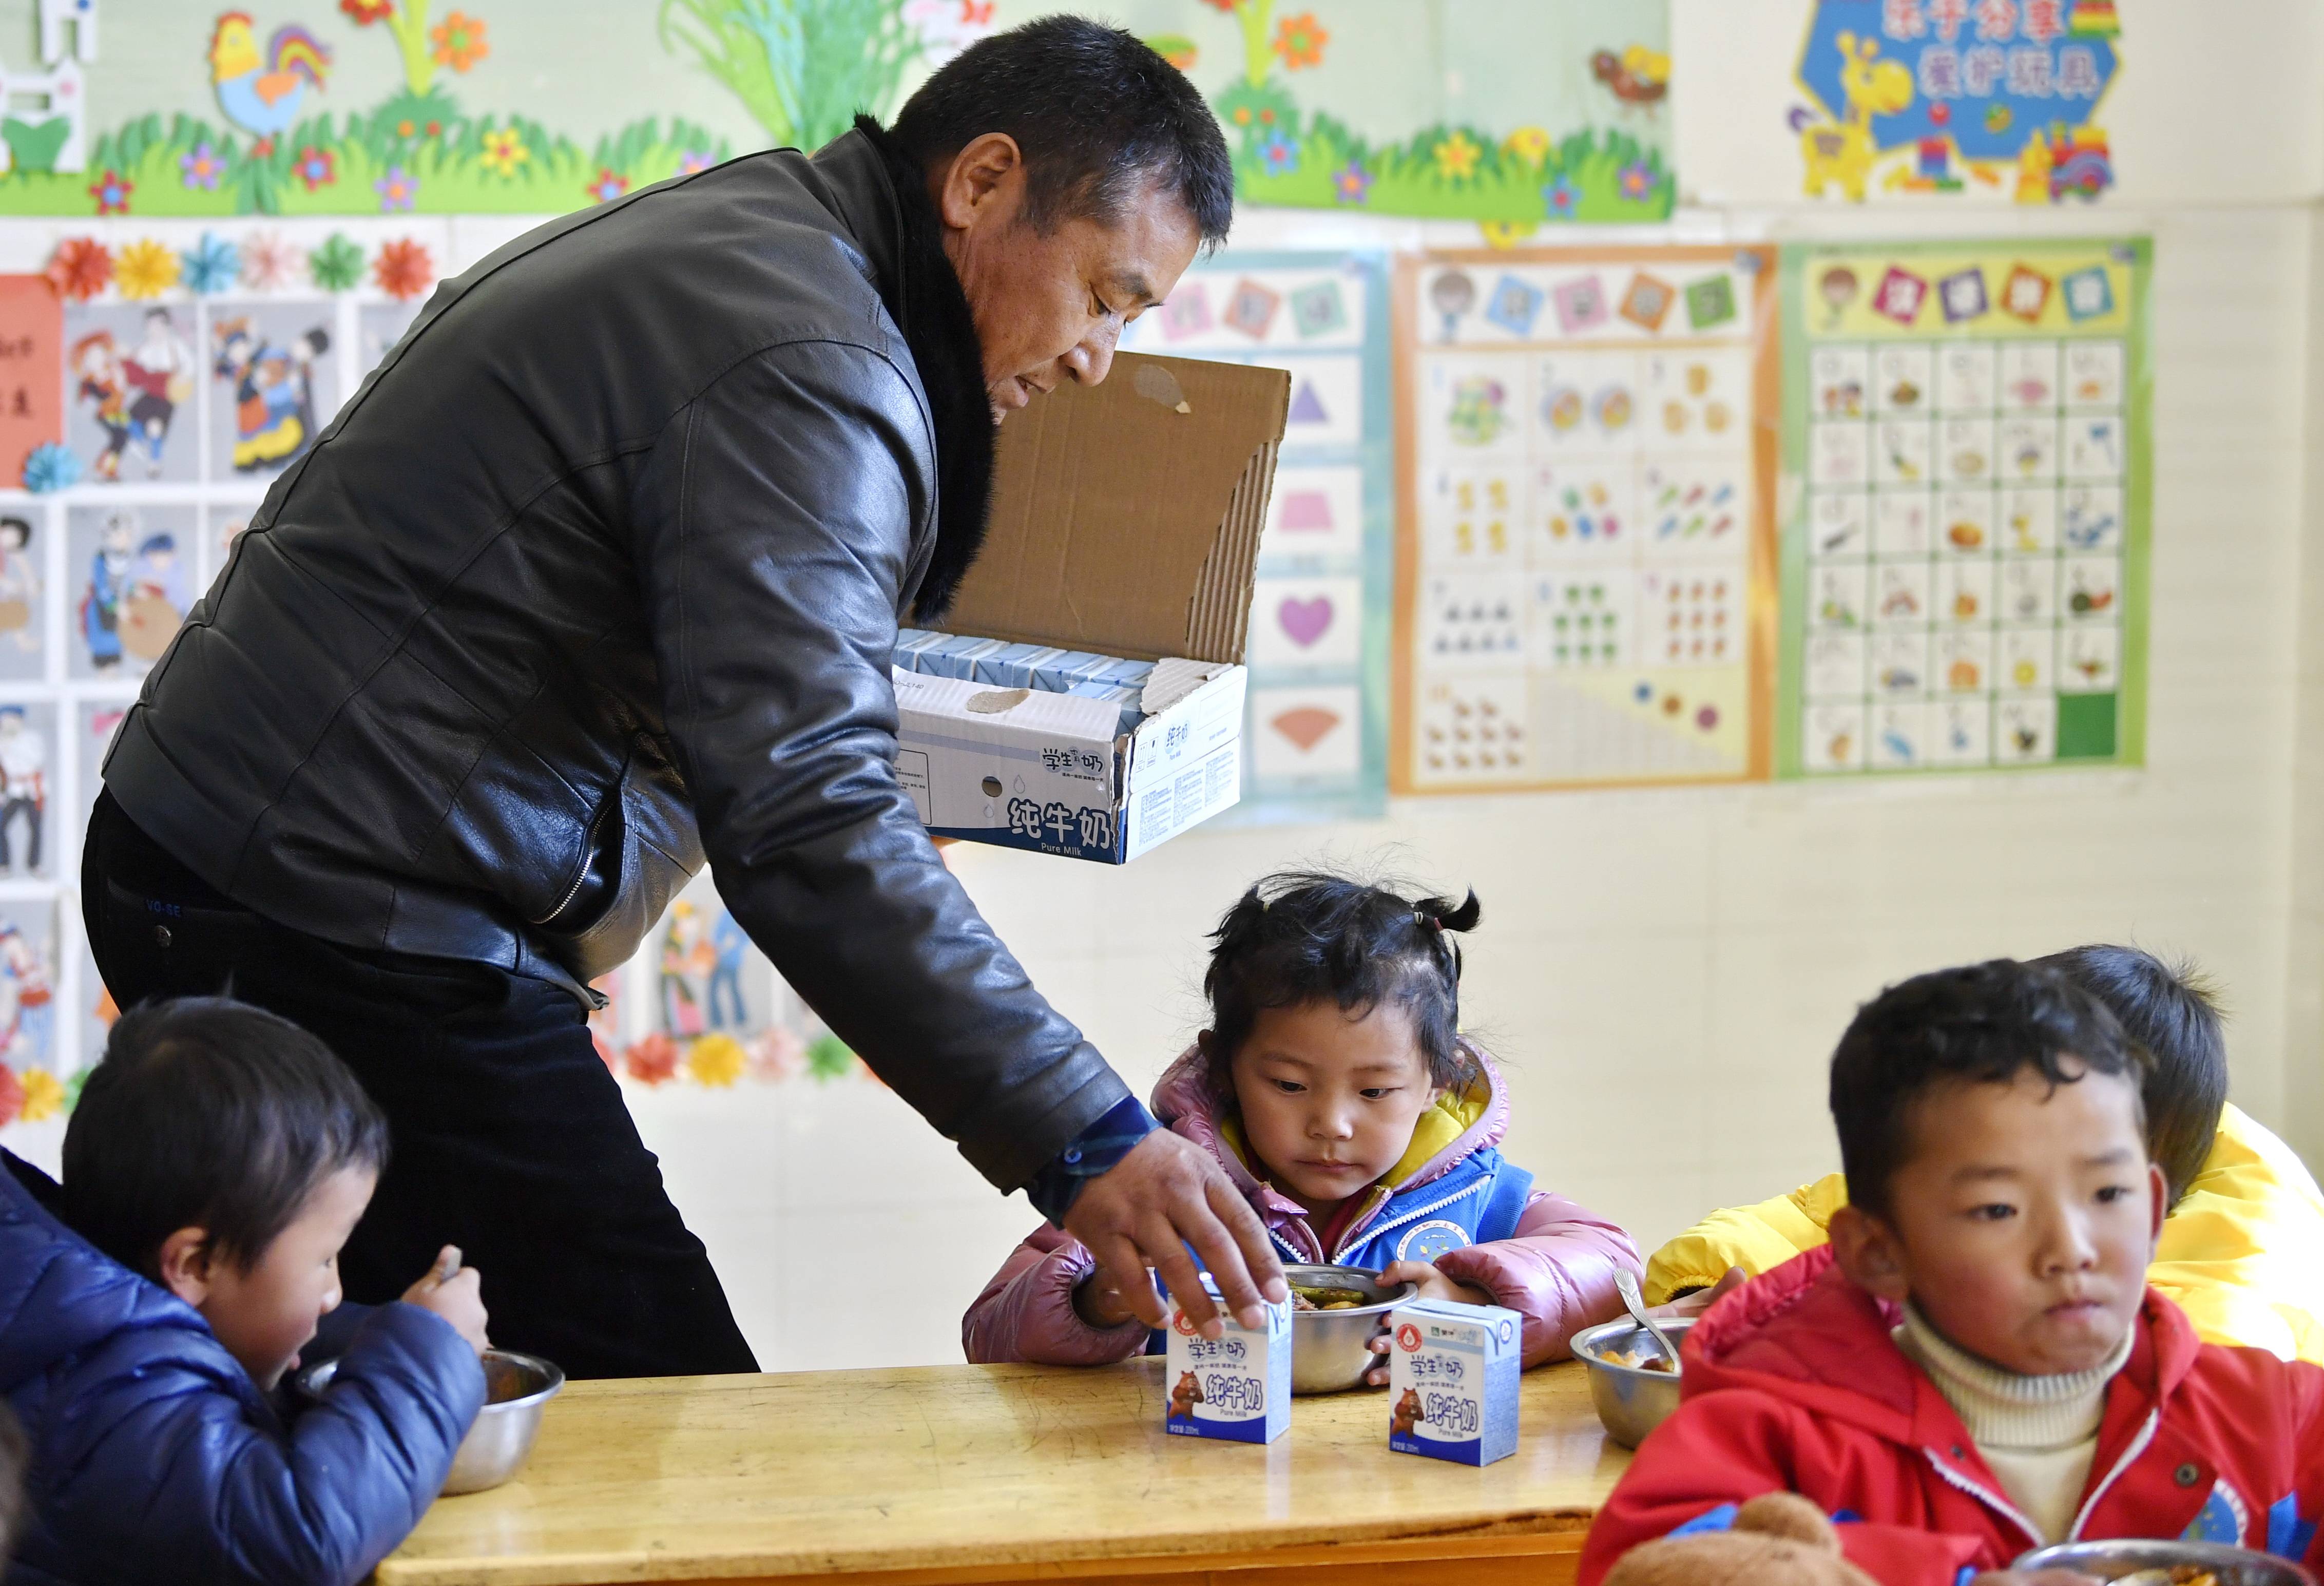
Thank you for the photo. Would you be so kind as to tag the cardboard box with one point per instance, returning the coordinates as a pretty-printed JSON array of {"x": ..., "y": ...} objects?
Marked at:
[
  {"x": 1237, "y": 1387},
  {"x": 1125, "y": 525},
  {"x": 1452, "y": 1375}
]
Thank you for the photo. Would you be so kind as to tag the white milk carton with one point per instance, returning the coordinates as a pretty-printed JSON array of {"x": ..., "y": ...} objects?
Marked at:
[
  {"x": 1453, "y": 1380},
  {"x": 1236, "y": 1386}
]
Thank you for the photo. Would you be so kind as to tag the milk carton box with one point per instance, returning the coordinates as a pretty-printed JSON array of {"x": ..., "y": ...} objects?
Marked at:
[
  {"x": 1236, "y": 1386},
  {"x": 1453, "y": 1380}
]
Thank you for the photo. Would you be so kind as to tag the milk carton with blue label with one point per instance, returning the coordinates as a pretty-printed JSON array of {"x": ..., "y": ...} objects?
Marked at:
[
  {"x": 1236, "y": 1386},
  {"x": 1453, "y": 1380}
]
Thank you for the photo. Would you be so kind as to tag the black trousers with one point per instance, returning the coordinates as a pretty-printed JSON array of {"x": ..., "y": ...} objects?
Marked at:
[{"x": 510, "y": 1137}]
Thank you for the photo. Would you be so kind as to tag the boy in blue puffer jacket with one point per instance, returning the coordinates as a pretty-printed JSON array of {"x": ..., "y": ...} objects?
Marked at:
[{"x": 217, "y": 1159}]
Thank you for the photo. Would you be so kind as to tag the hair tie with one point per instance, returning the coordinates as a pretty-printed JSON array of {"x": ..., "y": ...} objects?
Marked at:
[{"x": 1429, "y": 920}]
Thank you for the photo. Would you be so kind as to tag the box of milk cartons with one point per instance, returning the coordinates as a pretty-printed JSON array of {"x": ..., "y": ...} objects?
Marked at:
[
  {"x": 1453, "y": 1380},
  {"x": 1236, "y": 1386}
]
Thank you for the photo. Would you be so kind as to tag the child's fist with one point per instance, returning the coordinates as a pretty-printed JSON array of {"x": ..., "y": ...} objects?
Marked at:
[
  {"x": 1097, "y": 1300},
  {"x": 1434, "y": 1284},
  {"x": 455, "y": 1293}
]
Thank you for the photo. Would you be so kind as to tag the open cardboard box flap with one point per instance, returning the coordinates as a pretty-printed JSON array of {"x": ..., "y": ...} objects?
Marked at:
[{"x": 1126, "y": 515}]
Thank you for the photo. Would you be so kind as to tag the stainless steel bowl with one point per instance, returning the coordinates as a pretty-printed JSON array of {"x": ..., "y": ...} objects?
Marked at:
[
  {"x": 2111, "y": 1561},
  {"x": 517, "y": 1387},
  {"x": 1631, "y": 1400},
  {"x": 1331, "y": 1351}
]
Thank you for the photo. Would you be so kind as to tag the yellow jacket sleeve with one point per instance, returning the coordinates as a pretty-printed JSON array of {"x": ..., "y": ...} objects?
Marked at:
[
  {"x": 1757, "y": 1239},
  {"x": 2243, "y": 1252}
]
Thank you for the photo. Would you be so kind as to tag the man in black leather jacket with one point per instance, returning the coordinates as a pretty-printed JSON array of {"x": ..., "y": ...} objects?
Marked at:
[{"x": 597, "y": 576}]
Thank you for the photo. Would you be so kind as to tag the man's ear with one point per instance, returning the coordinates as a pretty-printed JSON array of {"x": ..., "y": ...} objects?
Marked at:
[
  {"x": 979, "y": 176},
  {"x": 1867, "y": 1250},
  {"x": 183, "y": 1263}
]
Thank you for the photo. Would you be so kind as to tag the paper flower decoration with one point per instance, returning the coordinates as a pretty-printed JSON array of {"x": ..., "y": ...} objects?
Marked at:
[
  {"x": 80, "y": 268},
  {"x": 1562, "y": 196},
  {"x": 1351, "y": 183},
  {"x": 145, "y": 269},
  {"x": 211, "y": 265},
  {"x": 1457, "y": 156},
  {"x": 318, "y": 168},
  {"x": 653, "y": 1060},
  {"x": 403, "y": 269},
  {"x": 11, "y": 1095},
  {"x": 49, "y": 467},
  {"x": 777, "y": 1053},
  {"x": 202, "y": 168},
  {"x": 1279, "y": 154},
  {"x": 44, "y": 1095},
  {"x": 367, "y": 12},
  {"x": 717, "y": 1059},
  {"x": 695, "y": 160},
  {"x": 112, "y": 192},
  {"x": 396, "y": 189},
  {"x": 504, "y": 150},
  {"x": 1528, "y": 144},
  {"x": 1637, "y": 179},
  {"x": 828, "y": 1058},
  {"x": 1300, "y": 41},
  {"x": 337, "y": 264},
  {"x": 609, "y": 186},
  {"x": 268, "y": 262},
  {"x": 459, "y": 41}
]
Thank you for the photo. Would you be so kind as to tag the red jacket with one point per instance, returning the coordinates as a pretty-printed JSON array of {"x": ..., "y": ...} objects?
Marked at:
[{"x": 1793, "y": 1383}]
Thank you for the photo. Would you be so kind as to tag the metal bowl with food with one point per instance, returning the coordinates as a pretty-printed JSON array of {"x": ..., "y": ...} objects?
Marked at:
[
  {"x": 1632, "y": 1397},
  {"x": 1336, "y": 1311},
  {"x": 517, "y": 1387},
  {"x": 2128, "y": 1562}
]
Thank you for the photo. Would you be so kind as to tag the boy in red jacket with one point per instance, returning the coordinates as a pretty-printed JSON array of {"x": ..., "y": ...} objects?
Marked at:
[{"x": 1975, "y": 1368}]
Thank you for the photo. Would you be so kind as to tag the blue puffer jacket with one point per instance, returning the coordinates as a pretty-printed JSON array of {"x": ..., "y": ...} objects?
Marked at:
[{"x": 155, "y": 1459}]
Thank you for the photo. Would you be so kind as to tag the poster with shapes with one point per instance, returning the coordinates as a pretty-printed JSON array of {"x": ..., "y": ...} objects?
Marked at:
[
  {"x": 31, "y": 346},
  {"x": 1317, "y": 713},
  {"x": 131, "y": 570},
  {"x": 272, "y": 383},
  {"x": 2021, "y": 568},
  {"x": 1585, "y": 547},
  {"x": 28, "y": 1014},
  {"x": 28, "y": 742},
  {"x": 23, "y": 614},
  {"x": 131, "y": 374}
]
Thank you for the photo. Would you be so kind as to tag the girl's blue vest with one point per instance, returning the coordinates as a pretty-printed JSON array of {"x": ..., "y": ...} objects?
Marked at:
[{"x": 1477, "y": 1203}]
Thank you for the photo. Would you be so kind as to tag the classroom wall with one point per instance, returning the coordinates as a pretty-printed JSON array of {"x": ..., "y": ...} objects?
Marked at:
[{"x": 1664, "y": 972}]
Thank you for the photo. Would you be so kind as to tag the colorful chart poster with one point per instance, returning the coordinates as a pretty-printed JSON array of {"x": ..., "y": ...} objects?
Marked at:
[
  {"x": 1317, "y": 727},
  {"x": 1965, "y": 577},
  {"x": 1978, "y": 98},
  {"x": 1586, "y": 551}
]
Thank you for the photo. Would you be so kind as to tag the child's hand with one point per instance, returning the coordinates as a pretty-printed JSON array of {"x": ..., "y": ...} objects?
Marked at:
[
  {"x": 1434, "y": 1284},
  {"x": 455, "y": 1293},
  {"x": 1097, "y": 1300},
  {"x": 1694, "y": 1304}
]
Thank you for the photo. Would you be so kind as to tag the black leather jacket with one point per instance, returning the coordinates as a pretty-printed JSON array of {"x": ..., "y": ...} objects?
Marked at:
[{"x": 600, "y": 570}]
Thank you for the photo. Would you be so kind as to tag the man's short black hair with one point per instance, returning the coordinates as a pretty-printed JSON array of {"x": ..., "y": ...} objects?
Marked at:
[
  {"x": 2170, "y": 1010},
  {"x": 1981, "y": 1023},
  {"x": 209, "y": 1113},
  {"x": 1097, "y": 113}
]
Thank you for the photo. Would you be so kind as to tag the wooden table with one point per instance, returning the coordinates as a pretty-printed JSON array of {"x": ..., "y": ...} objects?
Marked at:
[{"x": 1002, "y": 1473}]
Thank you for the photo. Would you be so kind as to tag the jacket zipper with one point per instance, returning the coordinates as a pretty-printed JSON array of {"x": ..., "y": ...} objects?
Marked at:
[
  {"x": 1350, "y": 1241},
  {"x": 2137, "y": 1447},
  {"x": 588, "y": 845},
  {"x": 1994, "y": 1501}
]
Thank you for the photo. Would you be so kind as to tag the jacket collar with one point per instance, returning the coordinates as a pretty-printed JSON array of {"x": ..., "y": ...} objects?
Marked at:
[{"x": 881, "y": 197}]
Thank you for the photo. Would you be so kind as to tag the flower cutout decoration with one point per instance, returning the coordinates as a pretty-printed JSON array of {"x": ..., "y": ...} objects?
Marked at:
[
  {"x": 11, "y": 1095},
  {"x": 717, "y": 1059},
  {"x": 1225, "y": 7},
  {"x": 1300, "y": 41},
  {"x": 211, "y": 265},
  {"x": 50, "y": 467},
  {"x": 145, "y": 269},
  {"x": 653, "y": 1059},
  {"x": 112, "y": 192},
  {"x": 268, "y": 262},
  {"x": 504, "y": 152},
  {"x": 695, "y": 160},
  {"x": 1351, "y": 183},
  {"x": 202, "y": 168},
  {"x": 777, "y": 1053},
  {"x": 44, "y": 1095},
  {"x": 318, "y": 168},
  {"x": 608, "y": 187},
  {"x": 337, "y": 264},
  {"x": 1562, "y": 196},
  {"x": 79, "y": 269},
  {"x": 1636, "y": 181},
  {"x": 1457, "y": 156},
  {"x": 1528, "y": 144},
  {"x": 403, "y": 269},
  {"x": 1279, "y": 154},
  {"x": 396, "y": 189},
  {"x": 367, "y": 12},
  {"x": 459, "y": 41}
]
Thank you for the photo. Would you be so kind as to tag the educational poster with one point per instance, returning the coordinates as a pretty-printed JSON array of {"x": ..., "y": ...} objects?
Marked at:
[
  {"x": 1585, "y": 548},
  {"x": 1965, "y": 579},
  {"x": 1317, "y": 722},
  {"x": 1992, "y": 99}
]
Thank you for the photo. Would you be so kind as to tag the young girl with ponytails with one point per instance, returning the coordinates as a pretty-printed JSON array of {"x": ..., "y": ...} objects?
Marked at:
[{"x": 1334, "y": 1086}]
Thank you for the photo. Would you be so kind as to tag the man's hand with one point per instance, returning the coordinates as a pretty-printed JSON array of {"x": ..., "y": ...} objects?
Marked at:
[
  {"x": 1694, "y": 1304},
  {"x": 455, "y": 1293},
  {"x": 1167, "y": 1194}
]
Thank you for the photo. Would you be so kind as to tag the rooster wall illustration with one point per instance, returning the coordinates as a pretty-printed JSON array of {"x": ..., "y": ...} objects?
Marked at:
[{"x": 262, "y": 93}]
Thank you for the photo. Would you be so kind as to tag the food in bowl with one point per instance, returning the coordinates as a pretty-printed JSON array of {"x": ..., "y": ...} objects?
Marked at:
[
  {"x": 2179, "y": 1576},
  {"x": 1309, "y": 1297},
  {"x": 1646, "y": 1360}
]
